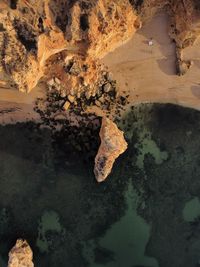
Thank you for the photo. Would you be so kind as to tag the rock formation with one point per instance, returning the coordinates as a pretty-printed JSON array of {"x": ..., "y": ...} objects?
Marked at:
[
  {"x": 112, "y": 145},
  {"x": 21, "y": 255},
  {"x": 60, "y": 42},
  {"x": 36, "y": 35},
  {"x": 184, "y": 27}
]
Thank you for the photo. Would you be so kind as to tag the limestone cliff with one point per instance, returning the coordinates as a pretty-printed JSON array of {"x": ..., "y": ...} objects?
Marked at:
[
  {"x": 21, "y": 255},
  {"x": 31, "y": 32},
  {"x": 112, "y": 145}
]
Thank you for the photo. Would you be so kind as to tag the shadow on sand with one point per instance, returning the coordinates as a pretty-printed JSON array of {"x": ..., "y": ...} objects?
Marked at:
[{"x": 157, "y": 29}]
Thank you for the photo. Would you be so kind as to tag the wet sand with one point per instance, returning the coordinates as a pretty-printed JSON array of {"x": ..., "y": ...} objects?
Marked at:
[
  {"x": 18, "y": 107},
  {"x": 12, "y": 112}
]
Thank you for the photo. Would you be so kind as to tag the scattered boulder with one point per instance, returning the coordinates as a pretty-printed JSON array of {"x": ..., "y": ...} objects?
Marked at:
[
  {"x": 21, "y": 255},
  {"x": 107, "y": 87},
  {"x": 71, "y": 98},
  {"x": 112, "y": 145},
  {"x": 66, "y": 105}
]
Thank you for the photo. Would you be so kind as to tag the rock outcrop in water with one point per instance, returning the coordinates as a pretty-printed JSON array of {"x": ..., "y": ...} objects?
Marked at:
[
  {"x": 112, "y": 145},
  {"x": 21, "y": 255},
  {"x": 61, "y": 42}
]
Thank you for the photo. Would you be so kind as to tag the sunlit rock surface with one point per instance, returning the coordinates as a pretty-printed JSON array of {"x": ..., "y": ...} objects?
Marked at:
[
  {"x": 31, "y": 32},
  {"x": 112, "y": 145},
  {"x": 37, "y": 36},
  {"x": 21, "y": 255}
]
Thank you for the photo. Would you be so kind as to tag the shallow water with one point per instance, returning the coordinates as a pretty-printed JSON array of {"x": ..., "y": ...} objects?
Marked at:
[
  {"x": 127, "y": 238},
  {"x": 147, "y": 214},
  {"x": 191, "y": 210}
]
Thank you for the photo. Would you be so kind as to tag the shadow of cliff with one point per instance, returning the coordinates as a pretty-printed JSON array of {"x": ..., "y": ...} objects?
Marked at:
[
  {"x": 157, "y": 29},
  {"x": 196, "y": 91},
  {"x": 167, "y": 65},
  {"x": 196, "y": 63}
]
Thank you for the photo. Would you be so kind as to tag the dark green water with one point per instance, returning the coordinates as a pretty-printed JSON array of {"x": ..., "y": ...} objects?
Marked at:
[{"x": 147, "y": 214}]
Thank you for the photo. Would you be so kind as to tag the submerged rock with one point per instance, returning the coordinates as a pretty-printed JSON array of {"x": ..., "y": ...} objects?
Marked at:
[
  {"x": 112, "y": 145},
  {"x": 21, "y": 255}
]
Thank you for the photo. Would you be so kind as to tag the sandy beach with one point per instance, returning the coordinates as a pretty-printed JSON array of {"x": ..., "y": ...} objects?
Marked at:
[
  {"x": 146, "y": 72},
  {"x": 18, "y": 107}
]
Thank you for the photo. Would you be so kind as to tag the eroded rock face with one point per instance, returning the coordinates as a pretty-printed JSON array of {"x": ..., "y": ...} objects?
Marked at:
[
  {"x": 185, "y": 21},
  {"x": 112, "y": 145},
  {"x": 33, "y": 32},
  {"x": 21, "y": 255},
  {"x": 101, "y": 24},
  {"x": 184, "y": 26}
]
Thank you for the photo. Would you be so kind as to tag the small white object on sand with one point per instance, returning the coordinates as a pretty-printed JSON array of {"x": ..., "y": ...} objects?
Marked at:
[{"x": 150, "y": 42}]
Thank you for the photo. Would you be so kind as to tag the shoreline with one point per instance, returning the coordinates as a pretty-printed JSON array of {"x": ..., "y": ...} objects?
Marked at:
[
  {"x": 146, "y": 74},
  {"x": 23, "y": 114},
  {"x": 12, "y": 113},
  {"x": 16, "y": 106}
]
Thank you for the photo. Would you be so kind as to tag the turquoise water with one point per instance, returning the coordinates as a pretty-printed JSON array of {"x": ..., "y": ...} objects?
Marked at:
[
  {"x": 49, "y": 222},
  {"x": 149, "y": 146},
  {"x": 191, "y": 210},
  {"x": 127, "y": 238},
  {"x": 146, "y": 214}
]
